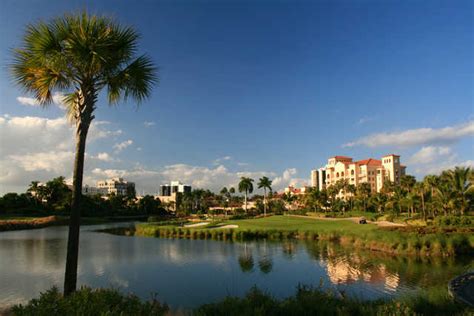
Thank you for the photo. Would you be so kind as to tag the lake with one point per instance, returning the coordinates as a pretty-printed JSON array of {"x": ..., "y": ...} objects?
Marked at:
[{"x": 187, "y": 273}]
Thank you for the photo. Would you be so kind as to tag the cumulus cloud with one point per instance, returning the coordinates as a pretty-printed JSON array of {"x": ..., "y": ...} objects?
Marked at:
[
  {"x": 289, "y": 178},
  {"x": 420, "y": 136},
  {"x": 121, "y": 146},
  {"x": 103, "y": 157},
  {"x": 37, "y": 148},
  {"x": 149, "y": 124},
  {"x": 434, "y": 159},
  {"x": 430, "y": 154}
]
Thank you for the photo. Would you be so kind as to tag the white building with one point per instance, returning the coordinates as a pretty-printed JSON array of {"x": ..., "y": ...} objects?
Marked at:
[{"x": 117, "y": 186}]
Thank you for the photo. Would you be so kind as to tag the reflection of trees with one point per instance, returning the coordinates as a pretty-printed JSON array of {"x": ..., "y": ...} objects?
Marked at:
[
  {"x": 289, "y": 249},
  {"x": 246, "y": 260},
  {"x": 265, "y": 264}
]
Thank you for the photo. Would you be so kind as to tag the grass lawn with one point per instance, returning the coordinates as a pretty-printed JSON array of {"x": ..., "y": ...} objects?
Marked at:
[{"x": 289, "y": 223}]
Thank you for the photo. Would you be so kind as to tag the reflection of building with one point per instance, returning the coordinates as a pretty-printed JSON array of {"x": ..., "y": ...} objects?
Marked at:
[
  {"x": 371, "y": 171},
  {"x": 117, "y": 186},
  {"x": 345, "y": 272}
]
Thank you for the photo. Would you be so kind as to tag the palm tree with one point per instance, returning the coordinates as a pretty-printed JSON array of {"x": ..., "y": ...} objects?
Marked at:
[
  {"x": 246, "y": 186},
  {"x": 459, "y": 179},
  {"x": 81, "y": 54},
  {"x": 420, "y": 189},
  {"x": 265, "y": 183},
  {"x": 363, "y": 191}
]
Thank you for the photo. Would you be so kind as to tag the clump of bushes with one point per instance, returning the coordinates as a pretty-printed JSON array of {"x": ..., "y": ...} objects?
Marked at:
[
  {"x": 89, "y": 302},
  {"x": 464, "y": 221},
  {"x": 314, "y": 301}
]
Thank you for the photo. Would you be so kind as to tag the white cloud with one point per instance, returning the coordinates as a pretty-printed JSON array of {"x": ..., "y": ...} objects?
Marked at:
[
  {"x": 121, "y": 146},
  {"x": 420, "y": 136},
  {"x": 103, "y": 157},
  {"x": 37, "y": 148},
  {"x": 28, "y": 101},
  {"x": 149, "y": 124},
  {"x": 437, "y": 168},
  {"x": 58, "y": 99},
  {"x": 218, "y": 161},
  {"x": 429, "y": 154}
]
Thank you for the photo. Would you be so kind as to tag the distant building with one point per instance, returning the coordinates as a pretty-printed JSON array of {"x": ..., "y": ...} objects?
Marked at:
[
  {"x": 174, "y": 187},
  {"x": 117, "y": 186},
  {"x": 371, "y": 171},
  {"x": 88, "y": 190},
  {"x": 295, "y": 191},
  {"x": 168, "y": 192}
]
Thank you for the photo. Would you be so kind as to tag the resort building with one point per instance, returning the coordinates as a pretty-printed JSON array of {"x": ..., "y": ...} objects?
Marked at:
[
  {"x": 372, "y": 171},
  {"x": 117, "y": 186}
]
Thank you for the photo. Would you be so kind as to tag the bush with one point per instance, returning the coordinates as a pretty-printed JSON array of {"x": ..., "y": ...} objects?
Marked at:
[
  {"x": 443, "y": 221},
  {"x": 89, "y": 302}
]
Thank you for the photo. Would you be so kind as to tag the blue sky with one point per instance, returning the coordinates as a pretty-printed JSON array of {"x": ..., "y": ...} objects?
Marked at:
[{"x": 259, "y": 87}]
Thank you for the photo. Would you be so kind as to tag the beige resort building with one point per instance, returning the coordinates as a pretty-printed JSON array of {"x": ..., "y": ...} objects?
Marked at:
[{"x": 371, "y": 171}]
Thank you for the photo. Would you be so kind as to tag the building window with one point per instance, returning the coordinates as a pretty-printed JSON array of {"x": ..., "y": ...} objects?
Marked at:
[
  {"x": 328, "y": 176},
  {"x": 337, "y": 175},
  {"x": 342, "y": 174},
  {"x": 352, "y": 172}
]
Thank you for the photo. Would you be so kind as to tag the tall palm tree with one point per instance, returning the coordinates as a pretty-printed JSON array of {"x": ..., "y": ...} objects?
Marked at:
[
  {"x": 246, "y": 186},
  {"x": 419, "y": 189},
  {"x": 460, "y": 182},
  {"x": 265, "y": 183},
  {"x": 81, "y": 54}
]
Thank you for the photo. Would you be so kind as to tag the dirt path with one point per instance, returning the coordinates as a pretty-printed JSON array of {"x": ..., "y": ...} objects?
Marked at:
[{"x": 353, "y": 219}]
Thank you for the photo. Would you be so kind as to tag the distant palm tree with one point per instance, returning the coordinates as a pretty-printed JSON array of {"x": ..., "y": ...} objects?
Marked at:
[
  {"x": 265, "y": 183},
  {"x": 81, "y": 54},
  {"x": 246, "y": 186},
  {"x": 460, "y": 182}
]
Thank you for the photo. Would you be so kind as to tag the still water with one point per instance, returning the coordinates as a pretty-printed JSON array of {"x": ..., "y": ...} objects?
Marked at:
[{"x": 187, "y": 273}]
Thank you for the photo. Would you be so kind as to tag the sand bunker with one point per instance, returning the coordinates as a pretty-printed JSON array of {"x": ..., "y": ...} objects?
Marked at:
[
  {"x": 197, "y": 224},
  {"x": 228, "y": 226}
]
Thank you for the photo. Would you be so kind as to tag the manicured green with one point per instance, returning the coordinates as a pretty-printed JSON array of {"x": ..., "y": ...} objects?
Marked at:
[{"x": 423, "y": 242}]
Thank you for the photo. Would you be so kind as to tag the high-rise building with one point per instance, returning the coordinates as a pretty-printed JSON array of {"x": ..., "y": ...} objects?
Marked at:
[
  {"x": 117, "y": 186},
  {"x": 372, "y": 171},
  {"x": 174, "y": 187}
]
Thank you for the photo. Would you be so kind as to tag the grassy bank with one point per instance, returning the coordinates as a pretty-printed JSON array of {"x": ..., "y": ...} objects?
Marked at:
[
  {"x": 390, "y": 240},
  {"x": 31, "y": 223},
  {"x": 8, "y": 223},
  {"x": 306, "y": 301}
]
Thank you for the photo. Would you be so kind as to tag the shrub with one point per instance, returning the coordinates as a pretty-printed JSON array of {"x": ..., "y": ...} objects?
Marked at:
[{"x": 89, "y": 302}]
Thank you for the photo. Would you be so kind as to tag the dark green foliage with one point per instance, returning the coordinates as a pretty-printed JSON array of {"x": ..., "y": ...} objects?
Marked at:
[
  {"x": 89, "y": 302},
  {"x": 309, "y": 301}
]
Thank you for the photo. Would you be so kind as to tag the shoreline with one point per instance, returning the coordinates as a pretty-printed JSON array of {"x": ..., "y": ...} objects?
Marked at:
[{"x": 386, "y": 240}]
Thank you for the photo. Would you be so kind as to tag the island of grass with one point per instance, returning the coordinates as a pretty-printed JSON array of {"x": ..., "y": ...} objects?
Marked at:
[{"x": 422, "y": 241}]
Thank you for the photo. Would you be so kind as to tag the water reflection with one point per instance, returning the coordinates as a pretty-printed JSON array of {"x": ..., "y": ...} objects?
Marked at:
[{"x": 187, "y": 273}]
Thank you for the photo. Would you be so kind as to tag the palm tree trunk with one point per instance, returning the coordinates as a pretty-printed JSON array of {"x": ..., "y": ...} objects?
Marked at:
[
  {"x": 423, "y": 205},
  {"x": 70, "y": 278},
  {"x": 264, "y": 202},
  {"x": 245, "y": 196}
]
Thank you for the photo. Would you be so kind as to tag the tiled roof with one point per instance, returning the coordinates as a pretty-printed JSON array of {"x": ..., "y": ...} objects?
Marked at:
[
  {"x": 370, "y": 161},
  {"x": 342, "y": 157}
]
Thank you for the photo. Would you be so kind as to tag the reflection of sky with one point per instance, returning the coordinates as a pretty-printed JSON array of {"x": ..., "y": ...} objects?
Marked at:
[{"x": 187, "y": 273}]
